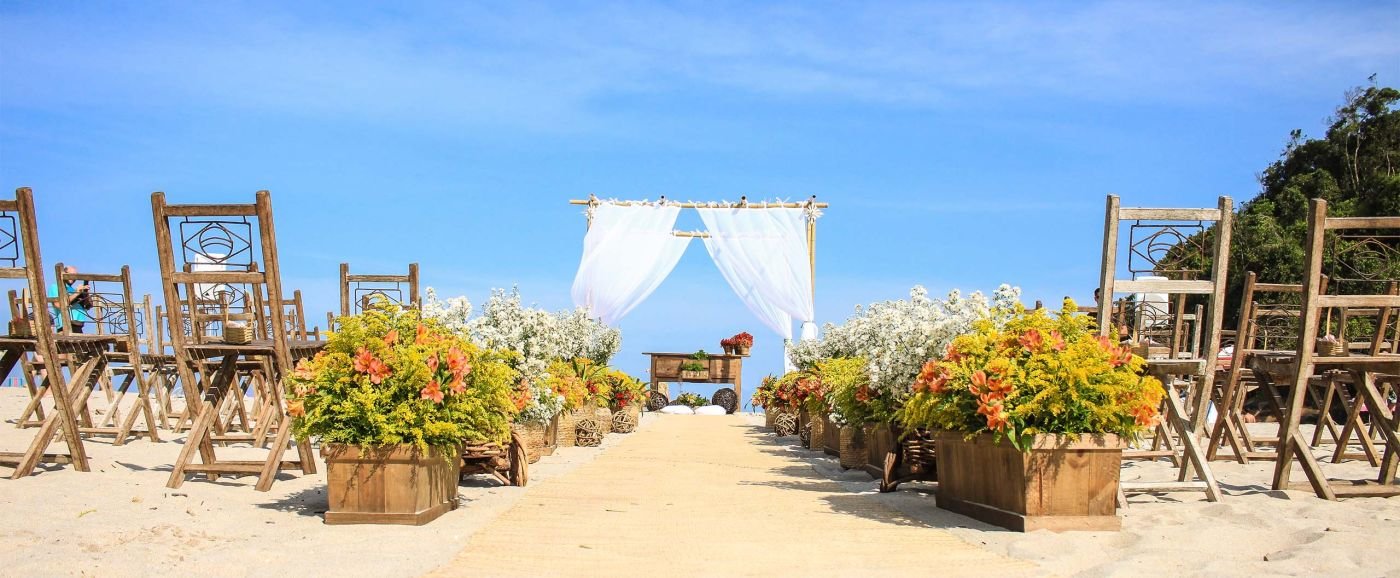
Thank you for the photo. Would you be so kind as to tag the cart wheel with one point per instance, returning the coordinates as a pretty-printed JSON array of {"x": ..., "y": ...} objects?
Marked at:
[
  {"x": 887, "y": 481},
  {"x": 656, "y": 400},
  {"x": 519, "y": 462}
]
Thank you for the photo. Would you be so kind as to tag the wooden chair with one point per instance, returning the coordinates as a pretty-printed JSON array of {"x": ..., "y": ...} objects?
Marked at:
[
  {"x": 1154, "y": 235},
  {"x": 1268, "y": 323},
  {"x": 113, "y": 313},
  {"x": 19, "y": 242},
  {"x": 230, "y": 250},
  {"x": 358, "y": 291},
  {"x": 1357, "y": 246}
]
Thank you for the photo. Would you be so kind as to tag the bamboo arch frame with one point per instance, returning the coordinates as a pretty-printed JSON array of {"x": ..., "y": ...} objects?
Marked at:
[{"x": 810, "y": 204}]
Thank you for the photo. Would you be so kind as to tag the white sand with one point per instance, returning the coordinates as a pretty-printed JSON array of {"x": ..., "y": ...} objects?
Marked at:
[
  {"x": 121, "y": 520},
  {"x": 1252, "y": 531}
]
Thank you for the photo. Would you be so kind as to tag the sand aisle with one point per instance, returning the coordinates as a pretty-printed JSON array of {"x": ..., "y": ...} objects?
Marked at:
[{"x": 711, "y": 496}]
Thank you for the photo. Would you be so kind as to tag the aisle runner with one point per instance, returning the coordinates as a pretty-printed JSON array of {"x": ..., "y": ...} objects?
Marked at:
[{"x": 710, "y": 496}]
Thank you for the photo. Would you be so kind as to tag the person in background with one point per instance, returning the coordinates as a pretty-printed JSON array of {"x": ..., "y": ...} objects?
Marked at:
[{"x": 79, "y": 301}]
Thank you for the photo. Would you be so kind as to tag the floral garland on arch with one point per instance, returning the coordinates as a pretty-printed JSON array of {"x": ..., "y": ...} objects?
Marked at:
[{"x": 897, "y": 337}]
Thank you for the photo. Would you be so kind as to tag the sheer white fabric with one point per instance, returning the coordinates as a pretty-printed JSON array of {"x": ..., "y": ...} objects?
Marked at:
[
  {"x": 627, "y": 252},
  {"x": 763, "y": 256}
]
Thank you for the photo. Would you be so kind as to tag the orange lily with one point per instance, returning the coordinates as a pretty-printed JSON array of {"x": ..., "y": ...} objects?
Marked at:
[
  {"x": 433, "y": 392},
  {"x": 1032, "y": 339}
]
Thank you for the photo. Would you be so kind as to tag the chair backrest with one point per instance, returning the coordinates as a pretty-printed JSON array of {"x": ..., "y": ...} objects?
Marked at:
[
  {"x": 1352, "y": 272},
  {"x": 1161, "y": 245},
  {"x": 358, "y": 291},
  {"x": 218, "y": 262},
  {"x": 293, "y": 316},
  {"x": 112, "y": 312},
  {"x": 20, "y": 258}
]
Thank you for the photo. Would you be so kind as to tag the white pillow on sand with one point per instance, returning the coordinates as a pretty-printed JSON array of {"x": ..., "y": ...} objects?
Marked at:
[
  {"x": 677, "y": 410},
  {"x": 710, "y": 410}
]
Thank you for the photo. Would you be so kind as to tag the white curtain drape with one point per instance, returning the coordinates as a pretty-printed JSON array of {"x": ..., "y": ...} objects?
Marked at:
[
  {"x": 628, "y": 251},
  {"x": 762, "y": 253}
]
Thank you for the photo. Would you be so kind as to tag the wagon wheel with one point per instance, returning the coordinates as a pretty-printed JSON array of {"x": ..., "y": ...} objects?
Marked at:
[
  {"x": 727, "y": 399},
  {"x": 656, "y": 400},
  {"x": 519, "y": 473}
]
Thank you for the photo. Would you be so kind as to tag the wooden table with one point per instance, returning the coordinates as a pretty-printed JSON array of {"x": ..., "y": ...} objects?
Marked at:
[
  {"x": 69, "y": 402},
  {"x": 723, "y": 368}
]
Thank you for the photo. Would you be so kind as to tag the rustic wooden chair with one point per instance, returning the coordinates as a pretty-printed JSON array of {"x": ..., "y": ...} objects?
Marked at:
[
  {"x": 358, "y": 291},
  {"x": 19, "y": 242},
  {"x": 1268, "y": 322},
  {"x": 1364, "y": 251},
  {"x": 234, "y": 252},
  {"x": 113, "y": 313},
  {"x": 1154, "y": 241}
]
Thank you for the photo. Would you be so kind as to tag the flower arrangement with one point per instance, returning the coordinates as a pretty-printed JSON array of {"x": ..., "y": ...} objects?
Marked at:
[
  {"x": 390, "y": 377},
  {"x": 727, "y": 344},
  {"x": 742, "y": 340},
  {"x": 537, "y": 335},
  {"x": 625, "y": 390},
  {"x": 692, "y": 400},
  {"x": 766, "y": 394},
  {"x": 897, "y": 337},
  {"x": 1035, "y": 374},
  {"x": 849, "y": 394},
  {"x": 577, "y": 381}
]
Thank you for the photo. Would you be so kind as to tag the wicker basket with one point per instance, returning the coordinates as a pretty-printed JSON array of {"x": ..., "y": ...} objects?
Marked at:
[
  {"x": 853, "y": 451},
  {"x": 604, "y": 417},
  {"x": 831, "y": 438},
  {"x": 818, "y": 434},
  {"x": 533, "y": 436},
  {"x": 238, "y": 334},
  {"x": 1330, "y": 348},
  {"x": 567, "y": 434},
  {"x": 770, "y": 417}
]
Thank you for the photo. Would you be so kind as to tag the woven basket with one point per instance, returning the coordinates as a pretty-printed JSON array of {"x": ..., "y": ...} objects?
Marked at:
[
  {"x": 567, "y": 434},
  {"x": 770, "y": 417},
  {"x": 853, "y": 451},
  {"x": 818, "y": 434},
  {"x": 21, "y": 328},
  {"x": 604, "y": 417},
  {"x": 1328, "y": 348},
  {"x": 533, "y": 436},
  {"x": 238, "y": 335}
]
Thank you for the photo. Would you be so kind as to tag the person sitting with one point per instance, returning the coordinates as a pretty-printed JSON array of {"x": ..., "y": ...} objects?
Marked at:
[{"x": 79, "y": 301}]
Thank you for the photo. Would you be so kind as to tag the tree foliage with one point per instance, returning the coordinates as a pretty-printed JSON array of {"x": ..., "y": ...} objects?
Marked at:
[{"x": 1355, "y": 167}]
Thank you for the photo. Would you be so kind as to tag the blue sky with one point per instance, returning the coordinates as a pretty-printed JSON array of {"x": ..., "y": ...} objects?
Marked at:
[{"x": 960, "y": 144}]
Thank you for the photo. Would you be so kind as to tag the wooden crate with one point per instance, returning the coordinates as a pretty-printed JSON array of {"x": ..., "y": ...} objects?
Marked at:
[
  {"x": 397, "y": 485},
  {"x": 879, "y": 440},
  {"x": 1057, "y": 485},
  {"x": 831, "y": 438}
]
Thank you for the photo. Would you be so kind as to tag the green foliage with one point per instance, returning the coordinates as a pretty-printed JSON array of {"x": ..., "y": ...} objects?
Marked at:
[
  {"x": 700, "y": 355},
  {"x": 1038, "y": 375},
  {"x": 1355, "y": 167},
  {"x": 694, "y": 366},
  {"x": 390, "y": 377},
  {"x": 692, "y": 400},
  {"x": 848, "y": 391}
]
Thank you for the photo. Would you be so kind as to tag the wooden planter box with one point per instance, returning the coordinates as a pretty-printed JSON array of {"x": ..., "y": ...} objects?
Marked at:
[
  {"x": 1058, "y": 485},
  {"x": 831, "y": 438},
  {"x": 879, "y": 441},
  {"x": 394, "y": 485},
  {"x": 695, "y": 374}
]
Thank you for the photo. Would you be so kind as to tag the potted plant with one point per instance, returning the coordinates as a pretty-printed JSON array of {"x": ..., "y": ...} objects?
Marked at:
[
  {"x": 1043, "y": 404},
  {"x": 697, "y": 367},
  {"x": 691, "y": 400},
  {"x": 728, "y": 345},
  {"x": 569, "y": 379},
  {"x": 742, "y": 342},
  {"x": 392, "y": 399}
]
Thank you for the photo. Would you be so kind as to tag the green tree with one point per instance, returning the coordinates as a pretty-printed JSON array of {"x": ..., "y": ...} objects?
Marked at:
[{"x": 1355, "y": 167}]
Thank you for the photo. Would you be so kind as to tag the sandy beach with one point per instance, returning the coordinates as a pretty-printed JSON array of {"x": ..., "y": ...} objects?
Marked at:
[{"x": 121, "y": 520}]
